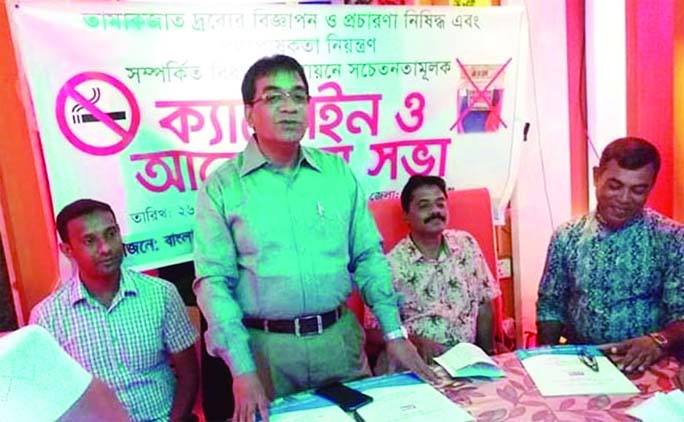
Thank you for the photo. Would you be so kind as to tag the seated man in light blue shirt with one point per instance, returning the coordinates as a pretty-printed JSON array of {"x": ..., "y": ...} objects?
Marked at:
[{"x": 124, "y": 327}]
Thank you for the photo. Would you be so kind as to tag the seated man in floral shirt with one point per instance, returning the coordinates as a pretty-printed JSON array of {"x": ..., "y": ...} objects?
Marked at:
[{"x": 446, "y": 285}]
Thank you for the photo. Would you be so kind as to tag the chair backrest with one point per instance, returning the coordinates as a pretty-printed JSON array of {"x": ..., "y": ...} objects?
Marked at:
[{"x": 469, "y": 210}]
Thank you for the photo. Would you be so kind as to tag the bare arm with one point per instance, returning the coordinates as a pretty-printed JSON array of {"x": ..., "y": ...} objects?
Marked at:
[
  {"x": 485, "y": 328},
  {"x": 549, "y": 332},
  {"x": 187, "y": 372},
  {"x": 637, "y": 354},
  {"x": 97, "y": 404}
]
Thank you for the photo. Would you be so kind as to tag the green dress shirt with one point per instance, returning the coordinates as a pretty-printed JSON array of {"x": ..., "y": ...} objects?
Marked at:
[{"x": 281, "y": 243}]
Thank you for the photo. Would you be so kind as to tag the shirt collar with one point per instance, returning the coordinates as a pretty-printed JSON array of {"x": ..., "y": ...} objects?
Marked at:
[
  {"x": 78, "y": 292},
  {"x": 253, "y": 158},
  {"x": 639, "y": 216},
  {"x": 415, "y": 255}
]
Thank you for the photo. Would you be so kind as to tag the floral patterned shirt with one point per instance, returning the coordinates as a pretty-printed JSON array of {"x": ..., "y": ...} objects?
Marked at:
[
  {"x": 440, "y": 297},
  {"x": 612, "y": 285}
]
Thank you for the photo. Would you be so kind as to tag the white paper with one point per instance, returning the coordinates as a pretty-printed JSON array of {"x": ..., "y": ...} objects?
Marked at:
[
  {"x": 38, "y": 380},
  {"x": 325, "y": 414},
  {"x": 306, "y": 407},
  {"x": 411, "y": 403},
  {"x": 557, "y": 373},
  {"x": 468, "y": 360},
  {"x": 662, "y": 407},
  {"x": 396, "y": 398}
]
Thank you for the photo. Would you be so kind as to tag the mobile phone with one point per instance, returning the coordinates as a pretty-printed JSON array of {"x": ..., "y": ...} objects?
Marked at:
[{"x": 346, "y": 398}]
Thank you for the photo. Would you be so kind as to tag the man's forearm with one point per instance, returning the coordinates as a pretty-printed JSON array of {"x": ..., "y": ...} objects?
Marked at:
[
  {"x": 226, "y": 337},
  {"x": 674, "y": 333},
  {"x": 549, "y": 332},
  {"x": 187, "y": 384},
  {"x": 184, "y": 399},
  {"x": 485, "y": 328}
]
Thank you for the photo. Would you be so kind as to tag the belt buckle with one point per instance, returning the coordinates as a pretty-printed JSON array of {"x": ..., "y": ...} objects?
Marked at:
[{"x": 319, "y": 325}]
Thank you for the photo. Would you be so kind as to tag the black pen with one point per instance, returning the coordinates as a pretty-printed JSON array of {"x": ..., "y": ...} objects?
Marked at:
[
  {"x": 588, "y": 360},
  {"x": 357, "y": 417}
]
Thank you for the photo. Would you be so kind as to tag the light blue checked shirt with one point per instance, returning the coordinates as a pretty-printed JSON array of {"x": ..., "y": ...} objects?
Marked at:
[
  {"x": 278, "y": 245},
  {"x": 128, "y": 345}
]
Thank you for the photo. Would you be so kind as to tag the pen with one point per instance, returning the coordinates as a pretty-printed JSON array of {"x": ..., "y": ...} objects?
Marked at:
[
  {"x": 588, "y": 360},
  {"x": 357, "y": 417}
]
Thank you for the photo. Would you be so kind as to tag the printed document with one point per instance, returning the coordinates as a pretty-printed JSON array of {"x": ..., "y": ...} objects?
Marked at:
[
  {"x": 396, "y": 398},
  {"x": 405, "y": 398},
  {"x": 566, "y": 370}
]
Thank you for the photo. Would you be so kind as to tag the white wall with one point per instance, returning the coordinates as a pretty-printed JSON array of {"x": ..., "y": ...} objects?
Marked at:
[
  {"x": 606, "y": 78},
  {"x": 541, "y": 200}
]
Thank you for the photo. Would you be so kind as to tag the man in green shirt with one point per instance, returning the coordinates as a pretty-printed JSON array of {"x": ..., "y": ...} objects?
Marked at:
[{"x": 280, "y": 230}]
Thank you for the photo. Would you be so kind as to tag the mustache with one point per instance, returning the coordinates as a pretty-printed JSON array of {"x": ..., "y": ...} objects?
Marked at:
[{"x": 434, "y": 217}]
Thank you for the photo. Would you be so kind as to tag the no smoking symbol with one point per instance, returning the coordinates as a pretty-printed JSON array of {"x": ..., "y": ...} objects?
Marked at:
[{"x": 110, "y": 111}]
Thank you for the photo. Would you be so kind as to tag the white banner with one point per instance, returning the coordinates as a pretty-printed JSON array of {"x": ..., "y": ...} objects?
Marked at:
[{"x": 137, "y": 102}]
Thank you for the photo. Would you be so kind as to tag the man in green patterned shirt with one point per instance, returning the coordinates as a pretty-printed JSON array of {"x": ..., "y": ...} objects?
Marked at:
[
  {"x": 280, "y": 230},
  {"x": 616, "y": 276}
]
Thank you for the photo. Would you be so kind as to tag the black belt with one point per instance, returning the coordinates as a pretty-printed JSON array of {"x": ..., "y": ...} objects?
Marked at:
[{"x": 301, "y": 326}]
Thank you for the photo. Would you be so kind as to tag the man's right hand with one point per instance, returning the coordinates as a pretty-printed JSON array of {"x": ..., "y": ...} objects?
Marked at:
[
  {"x": 404, "y": 353},
  {"x": 249, "y": 397},
  {"x": 427, "y": 348}
]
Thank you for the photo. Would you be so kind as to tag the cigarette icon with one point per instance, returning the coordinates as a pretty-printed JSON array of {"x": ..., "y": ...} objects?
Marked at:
[{"x": 87, "y": 118}]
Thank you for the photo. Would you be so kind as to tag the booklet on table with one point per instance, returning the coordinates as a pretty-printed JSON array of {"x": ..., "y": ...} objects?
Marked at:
[
  {"x": 396, "y": 398},
  {"x": 574, "y": 370},
  {"x": 467, "y": 360}
]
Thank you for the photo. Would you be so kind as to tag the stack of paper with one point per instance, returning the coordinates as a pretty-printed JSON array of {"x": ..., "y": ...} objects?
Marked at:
[
  {"x": 396, "y": 398},
  {"x": 405, "y": 398},
  {"x": 306, "y": 407},
  {"x": 662, "y": 407},
  {"x": 560, "y": 371},
  {"x": 468, "y": 360}
]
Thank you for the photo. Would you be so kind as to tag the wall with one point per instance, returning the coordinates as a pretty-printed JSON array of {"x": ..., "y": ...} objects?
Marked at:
[{"x": 541, "y": 199}]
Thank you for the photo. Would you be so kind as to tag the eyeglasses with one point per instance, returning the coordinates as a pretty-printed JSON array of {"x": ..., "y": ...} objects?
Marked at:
[{"x": 277, "y": 97}]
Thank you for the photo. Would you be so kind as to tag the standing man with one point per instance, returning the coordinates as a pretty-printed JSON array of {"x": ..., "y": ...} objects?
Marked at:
[
  {"x": 442, "y": 275},
  {"x": 123, "y": 327},
  {"x": 616, "y": 275},
  {"x": 280, "y": 230}
]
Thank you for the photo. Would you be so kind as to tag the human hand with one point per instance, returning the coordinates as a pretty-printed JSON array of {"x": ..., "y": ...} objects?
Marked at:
[
  {"x": 427, "y": 348},
  {"x": 405, "y": 354},
  {"x": 249, "y": 397},
  {"x": 634, "y": 355}
]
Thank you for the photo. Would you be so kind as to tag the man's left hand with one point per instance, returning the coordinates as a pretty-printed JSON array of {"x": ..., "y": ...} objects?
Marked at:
[
  {"x": 634, "y": 355},
  {"x": 405, "y": 354}
]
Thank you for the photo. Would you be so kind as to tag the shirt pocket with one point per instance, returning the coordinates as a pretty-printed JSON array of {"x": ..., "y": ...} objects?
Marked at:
[{"x": 140, "y": 345}]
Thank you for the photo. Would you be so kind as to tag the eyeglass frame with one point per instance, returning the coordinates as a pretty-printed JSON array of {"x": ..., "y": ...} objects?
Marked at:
[{"x": 280, "y": 95}]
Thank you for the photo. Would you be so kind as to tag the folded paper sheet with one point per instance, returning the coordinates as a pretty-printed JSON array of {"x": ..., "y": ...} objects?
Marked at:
[{"x": 467, "y": 360}]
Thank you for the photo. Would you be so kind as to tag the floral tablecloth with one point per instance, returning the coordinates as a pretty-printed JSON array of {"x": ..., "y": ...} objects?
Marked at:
[{"x": 515, "y": 397}]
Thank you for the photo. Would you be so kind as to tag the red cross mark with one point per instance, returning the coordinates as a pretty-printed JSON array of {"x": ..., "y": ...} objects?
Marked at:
[{"x": 480, "y": 95}]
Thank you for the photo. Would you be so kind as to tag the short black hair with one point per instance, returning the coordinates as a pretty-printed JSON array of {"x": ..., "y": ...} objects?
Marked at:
[
  {"x": 416, "y": 181},
  {"x": 631, "y": 153},
  {"x": 268, "y": 66},
  {"x": 77, "y": 209}
]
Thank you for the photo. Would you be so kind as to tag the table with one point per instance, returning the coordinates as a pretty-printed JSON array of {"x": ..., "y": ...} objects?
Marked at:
[{"x": 515, "y": 398}]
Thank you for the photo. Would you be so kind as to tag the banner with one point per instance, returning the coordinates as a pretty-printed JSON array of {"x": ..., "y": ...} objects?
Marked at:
[{"x": 136, "y": 103}]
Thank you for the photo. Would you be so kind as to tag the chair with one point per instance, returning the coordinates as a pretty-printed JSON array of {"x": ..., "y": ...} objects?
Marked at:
[{"x": 470, "y": 210}]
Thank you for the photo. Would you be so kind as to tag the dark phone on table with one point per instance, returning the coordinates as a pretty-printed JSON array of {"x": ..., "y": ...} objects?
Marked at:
[{"x": 347, "y": 398}]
